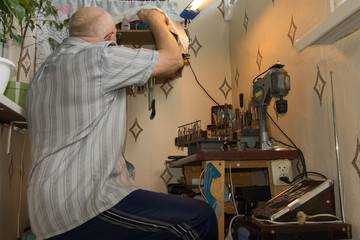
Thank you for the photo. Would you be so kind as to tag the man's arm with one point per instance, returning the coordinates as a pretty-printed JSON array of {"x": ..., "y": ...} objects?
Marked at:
[{"x": 170, "y": 59}]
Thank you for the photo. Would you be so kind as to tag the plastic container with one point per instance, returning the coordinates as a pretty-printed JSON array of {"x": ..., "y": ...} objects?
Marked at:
[
  {"x": 5, "y": 70},
  {"x": 16, "y": 92}
]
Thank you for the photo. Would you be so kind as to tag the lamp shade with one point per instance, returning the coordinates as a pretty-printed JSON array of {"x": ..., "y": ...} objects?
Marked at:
[{"x": 193, "y": 9}]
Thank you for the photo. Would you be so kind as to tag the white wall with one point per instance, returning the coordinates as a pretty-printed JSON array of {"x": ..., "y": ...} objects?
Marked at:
[
  {"x": 10, "y": 165},
  {"x": 226, "y": 47},
  {"x": 185, "y": 103},
  {"x": 308, "y": 122}
]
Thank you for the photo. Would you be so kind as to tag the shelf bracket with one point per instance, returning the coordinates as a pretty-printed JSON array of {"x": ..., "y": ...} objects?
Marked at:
[{"x": 14, "y": 126}]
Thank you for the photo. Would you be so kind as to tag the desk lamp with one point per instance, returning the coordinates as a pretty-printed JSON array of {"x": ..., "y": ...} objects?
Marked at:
[{"x": 192, "y": 10}]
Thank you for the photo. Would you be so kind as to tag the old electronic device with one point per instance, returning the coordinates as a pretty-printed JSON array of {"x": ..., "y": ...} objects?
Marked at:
[
  {"x": 247, "y": 228},
  {"x": 310, "y": 196}
]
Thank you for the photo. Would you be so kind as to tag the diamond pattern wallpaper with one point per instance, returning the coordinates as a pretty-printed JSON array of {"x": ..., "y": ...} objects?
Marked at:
[
  {"x": 308, "y": 74},
  {"x": 195, "y": 46},
  {"x": 166, "y": 176},
  {"x": 237, "y": 75},
  {"x": 136, "y": 129},
  {"x": 221, "y": 8},
  {"x": 246, "y": 22},
  {"x": 26, "y": 62},
  {"x": 259, "y": 59},
  {"x": 319, "y": 85},
  {"x": 166, "y": 87},
  {"x": 225, "y": 88},
  {"x": 356, "y": 160},
  {"x": 292, "y": 31},
  {"x": 267, "y": 31}
]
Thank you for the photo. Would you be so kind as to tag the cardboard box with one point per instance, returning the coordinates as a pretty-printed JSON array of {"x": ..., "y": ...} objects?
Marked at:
[{"x": 192, "y": 174}]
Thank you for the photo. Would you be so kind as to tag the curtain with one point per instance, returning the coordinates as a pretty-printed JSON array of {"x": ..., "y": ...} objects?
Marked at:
[{"x": 115, "y": 7}]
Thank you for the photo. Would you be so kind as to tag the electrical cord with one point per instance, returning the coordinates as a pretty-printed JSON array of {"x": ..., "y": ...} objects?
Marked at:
[
  {"x": 294, "y": 145},
  {"x": 232, "y": 191},
  {"x": 262, "y": 73},
  {"x": 229, "y": 235},
  {"x": 277, "y": 65},
  {"x": 282, "y": 130},
  {"x": 302, "y": 158},
  {"x": 299, "y": 151},
  {"x": 201, "y": 85},
  {"x": 287, "y": 180},
  {"x": 315, "y": 173},
  {"x": 302, "y": 219},
  {"x": 200, "y": 189}
]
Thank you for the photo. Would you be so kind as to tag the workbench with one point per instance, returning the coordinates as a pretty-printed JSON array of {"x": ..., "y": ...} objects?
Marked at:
[
  {"x": 234, "y": 159},
  {"x": 311, "y": 231}
]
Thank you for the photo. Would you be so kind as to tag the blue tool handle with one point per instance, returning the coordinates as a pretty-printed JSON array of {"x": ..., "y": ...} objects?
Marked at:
[{"x": 211, "y": 173}]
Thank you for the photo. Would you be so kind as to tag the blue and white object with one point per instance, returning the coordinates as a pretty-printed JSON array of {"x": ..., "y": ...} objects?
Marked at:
[
  {"x": 193, "y": 9},
  {"x": 211, "y": 173}
]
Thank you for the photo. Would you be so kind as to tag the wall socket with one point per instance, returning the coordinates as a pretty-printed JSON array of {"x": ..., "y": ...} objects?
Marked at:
[{"x": 281, "y": 168}]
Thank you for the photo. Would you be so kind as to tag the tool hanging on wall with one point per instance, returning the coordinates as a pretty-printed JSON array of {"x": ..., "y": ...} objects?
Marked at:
[
  {"x": 241, "y": 117},
  {"x": 132, "y": 91},
  {"x": 211, "y": 173},
  {"x": 151, "y": 99}
]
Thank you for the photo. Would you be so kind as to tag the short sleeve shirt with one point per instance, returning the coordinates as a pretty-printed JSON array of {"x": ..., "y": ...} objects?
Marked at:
[{"x": 76, "y": 113}]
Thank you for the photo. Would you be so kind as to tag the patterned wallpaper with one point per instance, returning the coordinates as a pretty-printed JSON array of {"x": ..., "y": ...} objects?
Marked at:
[{"x": 324, "y": 82}]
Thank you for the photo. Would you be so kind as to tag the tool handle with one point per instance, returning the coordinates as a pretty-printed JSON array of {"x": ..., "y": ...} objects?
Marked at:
[
  {"x": 241, "y": 97},
  {"x": 153, "y": 112}
]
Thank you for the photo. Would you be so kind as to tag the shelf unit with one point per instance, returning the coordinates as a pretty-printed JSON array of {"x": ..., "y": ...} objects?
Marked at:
[
  {"x": 10, "y": 111},
  {"x": 135, "y": 37},
  {"x": 342, "y": 22}
]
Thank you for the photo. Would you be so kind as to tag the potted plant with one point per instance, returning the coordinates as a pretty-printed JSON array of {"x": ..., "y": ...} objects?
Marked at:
[
  {"x": 19, "y": 19},
  {"x": 8, "y": 12}
]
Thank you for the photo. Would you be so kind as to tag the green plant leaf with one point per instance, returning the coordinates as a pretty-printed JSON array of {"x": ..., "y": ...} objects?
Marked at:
[
  {"x": 6, "y": 8},
  {"x": 16, "y": 37},
  {"x": 26, "y": 4},
  {"x": 19, "y": 10}
]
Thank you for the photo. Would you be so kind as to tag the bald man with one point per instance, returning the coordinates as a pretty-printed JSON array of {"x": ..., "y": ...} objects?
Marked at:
[{"x": 79, "y": 186}]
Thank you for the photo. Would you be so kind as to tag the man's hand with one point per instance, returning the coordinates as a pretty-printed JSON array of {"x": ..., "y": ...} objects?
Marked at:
[
  {"x": 170, "y": 59},
  {"x": 151, "y": 16}
]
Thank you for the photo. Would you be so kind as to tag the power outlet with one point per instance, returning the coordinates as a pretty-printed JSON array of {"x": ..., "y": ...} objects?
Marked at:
[{"x": 281, "y": 168}]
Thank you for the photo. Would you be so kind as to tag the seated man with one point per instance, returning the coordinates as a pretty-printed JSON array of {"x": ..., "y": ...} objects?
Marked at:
[{"x": 79, "y": 186}]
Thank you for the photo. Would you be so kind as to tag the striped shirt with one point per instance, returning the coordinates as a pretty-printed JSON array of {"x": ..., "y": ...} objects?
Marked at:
[{"x": 76, "y": 113}]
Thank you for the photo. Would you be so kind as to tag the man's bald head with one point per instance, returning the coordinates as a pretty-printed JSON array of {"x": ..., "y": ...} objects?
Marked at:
[{"x": 91, "y": 22}]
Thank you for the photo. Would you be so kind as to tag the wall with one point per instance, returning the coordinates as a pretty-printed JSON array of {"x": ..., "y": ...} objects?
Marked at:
[
  {"x": 181, "y": 102},
  {"x": 10, "y": 180},
  {"x": 10, "y": 165},
  {"x": 185, "y": 103},
  {"x": 309, "y": 120}
]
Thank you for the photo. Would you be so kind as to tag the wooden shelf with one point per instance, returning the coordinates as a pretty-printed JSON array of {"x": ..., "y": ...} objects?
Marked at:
[
  {"x": 342, "y": 22},
  {"x": 252, "y": 155},
  {"x": 10, "y": 111},
  {"x": 135, "y": 37},
  {"x": 140, "y": 37}
]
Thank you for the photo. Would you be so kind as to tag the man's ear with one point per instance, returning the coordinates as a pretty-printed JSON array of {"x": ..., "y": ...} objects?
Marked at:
[{"x": 107, "y": 38}]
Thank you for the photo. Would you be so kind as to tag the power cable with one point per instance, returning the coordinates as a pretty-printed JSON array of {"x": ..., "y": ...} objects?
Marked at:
[
  {"x": 201, "y": 85},
  {"x": 262, "y": 74},
  {"x": 301, "y": 155}
]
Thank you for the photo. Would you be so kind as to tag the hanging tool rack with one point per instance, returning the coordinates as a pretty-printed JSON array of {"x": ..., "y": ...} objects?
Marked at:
[{"x": 190, "y": 133}]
